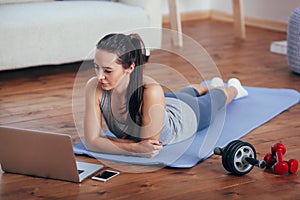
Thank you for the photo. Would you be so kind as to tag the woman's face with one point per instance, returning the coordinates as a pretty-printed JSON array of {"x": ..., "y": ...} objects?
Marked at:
[{"x": 110, "y": 74}]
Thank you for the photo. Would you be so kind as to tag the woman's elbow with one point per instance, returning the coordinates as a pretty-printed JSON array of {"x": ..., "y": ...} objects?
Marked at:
[{"x": 90, "y": 144}]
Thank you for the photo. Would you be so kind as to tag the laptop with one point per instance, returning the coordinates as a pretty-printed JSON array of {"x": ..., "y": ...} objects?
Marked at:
[{"x": 42, "y": 154}]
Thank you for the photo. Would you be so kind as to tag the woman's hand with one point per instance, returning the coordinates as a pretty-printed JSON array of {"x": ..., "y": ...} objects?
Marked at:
[{"x": 147, "y": 148}]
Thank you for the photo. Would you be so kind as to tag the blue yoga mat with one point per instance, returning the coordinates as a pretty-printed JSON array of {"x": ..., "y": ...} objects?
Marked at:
[{"x": 238, "y": 119}]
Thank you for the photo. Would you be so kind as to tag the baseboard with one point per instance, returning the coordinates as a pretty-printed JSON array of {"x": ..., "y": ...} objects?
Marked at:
[
  {"x": 217, "y": 15},
  {"x": 255, "y": 22},
  {"x": 190, "y": 16},
  {"x": 266, "y": 24}
]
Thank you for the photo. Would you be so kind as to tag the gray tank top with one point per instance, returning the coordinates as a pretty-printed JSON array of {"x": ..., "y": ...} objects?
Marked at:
[{"x": 180, "y": 121}]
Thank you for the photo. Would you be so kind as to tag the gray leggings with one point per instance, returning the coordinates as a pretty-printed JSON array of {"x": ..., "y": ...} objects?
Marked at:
[{"x": 205, "y": 106}]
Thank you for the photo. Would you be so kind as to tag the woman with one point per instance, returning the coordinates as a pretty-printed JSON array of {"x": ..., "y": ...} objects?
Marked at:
[{"x": 135, "y": 108}]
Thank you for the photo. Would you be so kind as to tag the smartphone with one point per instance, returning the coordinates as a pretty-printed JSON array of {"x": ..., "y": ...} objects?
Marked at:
[{"x": 105, "y": 175}]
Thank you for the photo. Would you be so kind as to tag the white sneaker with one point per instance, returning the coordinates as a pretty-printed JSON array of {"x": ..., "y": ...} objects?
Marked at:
[
  {"x": 217, "y": 82},
  {"x": 242, "y": 92}
]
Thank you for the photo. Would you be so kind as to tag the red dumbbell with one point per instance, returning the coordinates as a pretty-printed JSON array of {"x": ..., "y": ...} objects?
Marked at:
[
  {"x": 270, "y": 160},
  {"x": 275, "y": 161},
  {"x": 293, "y": 166},
  {"x": 280, "y": 167}
]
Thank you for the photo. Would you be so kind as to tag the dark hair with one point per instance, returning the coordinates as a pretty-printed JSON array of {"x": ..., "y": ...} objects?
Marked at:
[{"x": 129, "y": 49}]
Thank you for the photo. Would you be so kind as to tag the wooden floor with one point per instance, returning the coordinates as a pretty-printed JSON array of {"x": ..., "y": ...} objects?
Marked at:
[{"x": 41, "y": 98}]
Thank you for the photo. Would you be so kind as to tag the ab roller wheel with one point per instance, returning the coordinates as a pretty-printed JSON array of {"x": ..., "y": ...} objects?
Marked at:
[{"x": 239, "y": 157}]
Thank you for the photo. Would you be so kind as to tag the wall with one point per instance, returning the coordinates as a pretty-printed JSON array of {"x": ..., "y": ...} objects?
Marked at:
[
  {"x": 271, "y": 10},
  {"x": 188, "y": 6}
]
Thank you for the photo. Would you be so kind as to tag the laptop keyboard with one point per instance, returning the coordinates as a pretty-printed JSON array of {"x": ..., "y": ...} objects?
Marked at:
[{"x": 80, "y": 171}]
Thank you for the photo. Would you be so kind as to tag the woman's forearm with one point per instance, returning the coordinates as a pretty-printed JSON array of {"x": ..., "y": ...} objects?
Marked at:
[
  {"x": 111, "y": 146},
  {"x": 120, "y": 140},
  {"x": 144, "y": 148}
]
